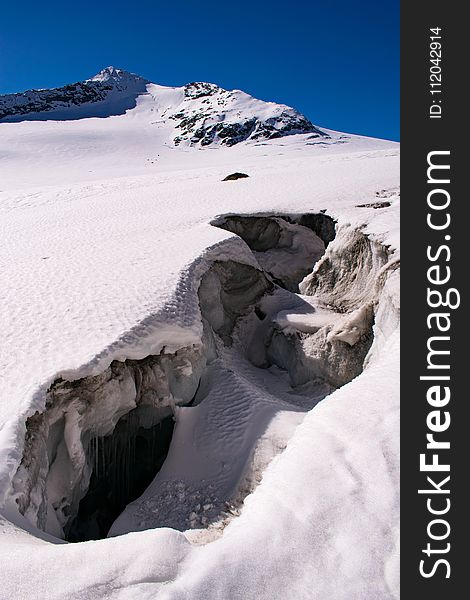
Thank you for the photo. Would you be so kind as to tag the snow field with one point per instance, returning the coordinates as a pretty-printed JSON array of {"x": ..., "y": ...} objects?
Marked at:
[{"x": 105, "y": 242}]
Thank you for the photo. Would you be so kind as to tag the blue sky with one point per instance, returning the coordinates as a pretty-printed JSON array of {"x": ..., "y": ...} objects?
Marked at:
[{"x": 335, "y": 61}]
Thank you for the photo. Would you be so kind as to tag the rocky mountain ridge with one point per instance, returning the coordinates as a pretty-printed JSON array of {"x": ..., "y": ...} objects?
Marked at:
[{"x": 198, "y": 113}]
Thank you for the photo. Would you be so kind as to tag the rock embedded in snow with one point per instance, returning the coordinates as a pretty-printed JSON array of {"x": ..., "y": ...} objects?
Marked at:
[
  {"x": 376, "y": 205},
  {"x": 234, "y": 176}
]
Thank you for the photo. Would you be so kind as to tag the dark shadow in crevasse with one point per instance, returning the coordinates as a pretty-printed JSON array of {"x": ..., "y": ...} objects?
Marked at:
[{"x": 125, "y": 463}]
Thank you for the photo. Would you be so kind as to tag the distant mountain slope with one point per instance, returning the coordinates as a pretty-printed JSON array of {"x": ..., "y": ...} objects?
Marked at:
[
  {"x": 209, "y": 113},
  {"x": 197, "y": 113},
  {"x": 112, "y": 91}
]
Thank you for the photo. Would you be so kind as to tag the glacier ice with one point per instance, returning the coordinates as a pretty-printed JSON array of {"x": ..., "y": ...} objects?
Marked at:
[{"x": 102, "y": 439}]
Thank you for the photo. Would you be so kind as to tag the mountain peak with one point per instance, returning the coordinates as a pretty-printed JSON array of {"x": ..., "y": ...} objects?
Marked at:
[
  {"x": 197, "y": 113},
  {"x": 115, "y": 75}
]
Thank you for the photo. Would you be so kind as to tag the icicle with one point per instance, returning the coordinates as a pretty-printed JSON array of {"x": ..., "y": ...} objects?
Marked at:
[
  {"x": 152, "y": 446},
  {"x": 103, "y": 457},
  {"x": 95, "y": 449},
  {"x": 97, "y": 452}
]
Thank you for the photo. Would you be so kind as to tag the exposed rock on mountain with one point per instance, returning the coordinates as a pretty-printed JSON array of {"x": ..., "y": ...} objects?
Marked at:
[{"x": 195, "y": 114}]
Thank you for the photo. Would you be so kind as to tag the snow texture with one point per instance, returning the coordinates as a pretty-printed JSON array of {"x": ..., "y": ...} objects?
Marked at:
[{"x": 115, "y": 233}]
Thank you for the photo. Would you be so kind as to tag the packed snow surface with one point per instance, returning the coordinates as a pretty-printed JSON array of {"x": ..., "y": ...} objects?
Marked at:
[{"x": 106, "y": 233}]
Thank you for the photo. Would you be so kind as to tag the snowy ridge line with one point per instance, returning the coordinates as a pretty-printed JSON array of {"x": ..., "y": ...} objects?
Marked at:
[
  {"x": 197, "y": 113},
  {"x": 109, "y": 83}
]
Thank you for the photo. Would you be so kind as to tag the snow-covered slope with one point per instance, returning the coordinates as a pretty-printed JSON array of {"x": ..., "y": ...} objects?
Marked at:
[
  {"x": 137, "y": 287},
  {"x": 112, "y": 91}
]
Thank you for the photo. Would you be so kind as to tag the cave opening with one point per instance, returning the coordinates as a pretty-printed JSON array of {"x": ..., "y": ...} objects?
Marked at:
[{"x": 124, "y": 464}]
